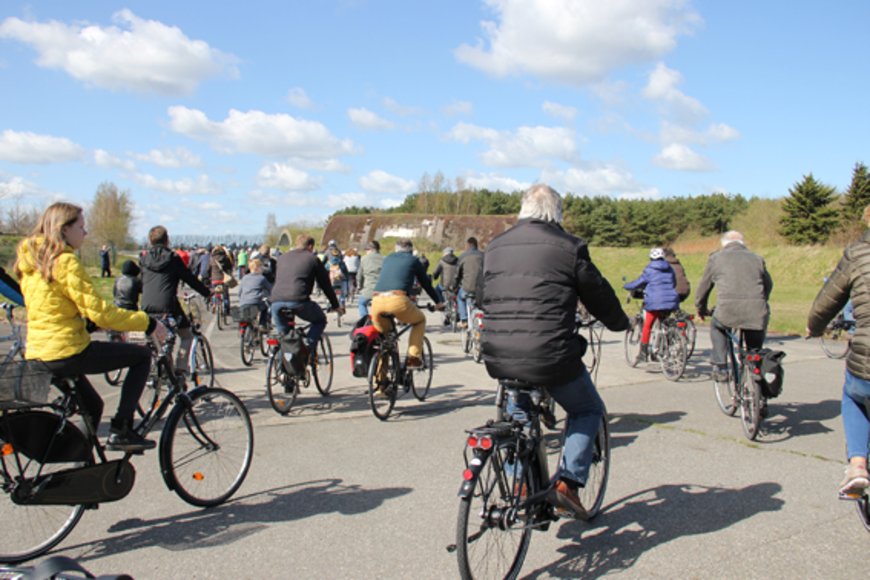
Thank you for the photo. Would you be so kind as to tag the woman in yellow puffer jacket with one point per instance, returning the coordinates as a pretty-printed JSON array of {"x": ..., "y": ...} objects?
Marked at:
[{"x": 60, "y": 298}]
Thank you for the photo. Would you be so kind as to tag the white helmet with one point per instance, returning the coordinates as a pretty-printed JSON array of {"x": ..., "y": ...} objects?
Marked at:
[{"x": 656, "y": 254}]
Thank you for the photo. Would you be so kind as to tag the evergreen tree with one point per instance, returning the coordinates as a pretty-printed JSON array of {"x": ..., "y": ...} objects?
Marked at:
[
  {"x": 809, "y": 216},
  {"x": 858, "y": 194}
]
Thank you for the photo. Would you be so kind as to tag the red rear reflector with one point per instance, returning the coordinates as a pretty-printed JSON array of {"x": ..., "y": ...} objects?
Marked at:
[
  {"x": 472, "y": 441},
  {"x": 467, "y": 475},
  {"x": 272, "y": 341},
  {"x": 485, "y": 443},
  {"x": 681, "y": 324}
]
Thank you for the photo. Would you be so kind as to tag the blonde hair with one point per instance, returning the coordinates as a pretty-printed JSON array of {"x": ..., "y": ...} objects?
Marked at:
[
  {"x": 50, "y": 229},
  {"x": 256, "y": 265}
]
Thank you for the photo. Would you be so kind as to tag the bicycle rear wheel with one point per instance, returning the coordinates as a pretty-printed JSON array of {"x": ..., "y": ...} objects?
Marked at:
[
  {"x": 493, "y": 531},
  {"x": 248, "y": 345},
  {"x": 421, "y": 378},
  {"x": 750, "y": 409},
  {"x": 726, "y": 391},
  {"x": 201, "y": 363},
  {"x": 324, "y": 367},
  {"x": 632, "y": 341},
  {"x": 217, "y": 309},
  {"x": 383, "y": 379},
  {"x": 280, "y": 387},
  {"x": 592, "y": 495},
  {"x": 690, "y": 334},
  {"x": 206, "y": 446},
  {"x": 674, "y": 355}
]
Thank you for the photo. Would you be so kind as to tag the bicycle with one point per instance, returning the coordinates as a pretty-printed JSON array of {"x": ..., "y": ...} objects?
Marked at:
[
  {"x": 739, "y": 387},
  {"x": 451, "y": 314},
  {"x": 251, "y": 335},
  {"x": 837, "y": 339},
  {"x": 282, "y": 387},
  {"x": 217, "y": 306},
  {"x": 15, "y": 335},
  {"x": 339, "y": 294},
  {"x": 473, "y": 329},
  {"x": 205, "y": 451},
  {"x": 115, "y": 377},
  {"x": 687, "y": 329},
  {"x": 506, "y": 482},
  {"x": 667, "y": 344},
  {"x": 389, "y": 378},
  {"x": 594, "y": 333}
]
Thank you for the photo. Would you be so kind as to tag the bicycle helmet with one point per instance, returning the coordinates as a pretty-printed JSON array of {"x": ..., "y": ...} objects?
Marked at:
[{"x": 656, "y": 254}]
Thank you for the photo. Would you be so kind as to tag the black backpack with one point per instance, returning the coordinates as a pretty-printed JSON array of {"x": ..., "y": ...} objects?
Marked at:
[
  {"x": 294, "y": 353},
  {"x": 768, "y": 371}
]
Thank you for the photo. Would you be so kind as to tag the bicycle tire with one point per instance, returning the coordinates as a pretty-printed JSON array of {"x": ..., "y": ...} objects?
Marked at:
[
  {"x": 476, "y": 349},
  {"x": 152, "y": 394},
  {"x": 833, "y": 344},
  {"x": 218, "y": 311},
  {"x": 750, "y": 408},
  {"x": 726, "y": 391},
  {"x": 592, "y": 495},
  {"x": 383, "y": 379},
  {"x": 421, "y": 378},
  {"x": 466, "y": 339},
  {"x": 206, "y": 446},
  {"x": 247, "y": 345},
  {"x": 632, "y": 342},
  {"x": 488, "y": 546},
  {"x": 29, "y": 531},
  {"x": 674, "y": 355},
  {"x": 201, "y": 363},
  {"x": 280, "y": 388},
  {"x": 225, "y": 316},
  {"x": 690, "y": 333},
  {"x": 324, "y": 368},
  {"x": 263, "y": 338}
]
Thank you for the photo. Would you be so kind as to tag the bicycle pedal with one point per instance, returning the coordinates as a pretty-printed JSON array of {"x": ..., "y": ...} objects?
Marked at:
[{"x": 853, "y": 496}]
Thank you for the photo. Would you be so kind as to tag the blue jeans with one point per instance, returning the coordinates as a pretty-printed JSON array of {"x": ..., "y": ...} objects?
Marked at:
[
  {"x": 308, "y": 311},
  {"x": 584, "y": 409},
  {"x": 856, "y": 423},
  {"x": 363, "y": 303},
  {"x": 464, "y": 301}
]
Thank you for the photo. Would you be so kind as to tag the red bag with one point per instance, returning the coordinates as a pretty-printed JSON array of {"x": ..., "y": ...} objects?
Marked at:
[{"x": 361, "y": 349}]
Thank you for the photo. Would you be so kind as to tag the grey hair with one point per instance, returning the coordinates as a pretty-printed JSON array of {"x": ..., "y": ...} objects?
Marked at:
[
  {"x": 404, "y": 245},
  {"x": 541, "y": 202},
  {"x": 731, "y": 236}
]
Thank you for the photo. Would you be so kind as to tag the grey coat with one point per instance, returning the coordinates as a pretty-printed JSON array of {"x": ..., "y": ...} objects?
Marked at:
[
  {"x": 369, "y": 271},
  {"x": 742, "y": 284},
  {"x": 851, "y": 278}
]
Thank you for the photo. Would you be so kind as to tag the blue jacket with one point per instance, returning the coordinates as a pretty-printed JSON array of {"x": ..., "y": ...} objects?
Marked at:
[{"x": 659, "y": 283}]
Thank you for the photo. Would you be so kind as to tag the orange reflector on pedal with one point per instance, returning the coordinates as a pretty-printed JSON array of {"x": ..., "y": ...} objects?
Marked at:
[
  {"x": 8, "y": 449},
  {"x": 198, "y": 476}
]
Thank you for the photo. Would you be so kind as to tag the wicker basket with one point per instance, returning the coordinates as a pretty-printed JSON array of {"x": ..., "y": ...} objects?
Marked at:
[{"x": 23, "y": 384}]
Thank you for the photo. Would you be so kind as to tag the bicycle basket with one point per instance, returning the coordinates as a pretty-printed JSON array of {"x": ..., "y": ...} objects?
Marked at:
[{"x": 22, "y": 384}]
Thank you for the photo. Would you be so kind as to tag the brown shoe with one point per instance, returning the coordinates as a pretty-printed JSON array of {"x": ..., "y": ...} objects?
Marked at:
[
  {"x": 413, "y": 362},
  {"x": 566, "y": 500}
]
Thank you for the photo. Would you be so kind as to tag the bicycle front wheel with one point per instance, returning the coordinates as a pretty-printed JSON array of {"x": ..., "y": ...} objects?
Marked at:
[
  {"x": 592, "y": 495},
  {"x": 324, "y": 366},
  {"x": 835, "y": 343},
  {"x": 421, "y": 378},
  {"x": 632, "y": 341},
  {"x": 218, "y": 314},
  {"x": 492, "y": 534},
  {"x": 673, "y": 356},
  {"x": 383, "y": 378},
  {"x": 206, "y": 446},
  {"x": 248, "y": 345},
  {"x": 201, "y": 363},
  {"x": 280, "y": 387},
  {"x": 750, "y": 409},
  {"x": 726, "y": 391}
]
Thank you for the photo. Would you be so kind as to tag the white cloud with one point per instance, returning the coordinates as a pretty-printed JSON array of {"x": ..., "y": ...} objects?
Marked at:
[
  {"x": 30, "y": 148},
  {"x": 17, "y": 187},
  {"x": 563, "y": 112},
  {"x": 347, "y": 199},
  {"x": 662, "y": 87},
  {"x": 137, "y": 55},
  {"x": 683, "y": 158},
  {"x": 525, "y": 147},
  {"x": 285, "y": 177},
  {"x": 576, "y": 41},
  {"x": 598, "y": 180},
  {"x": 401, "y": 110},
  {"x": 273, "y": 200},
  {"x": 714, "y": 133},
  {"x": 494, "y": 182},
  {"x": 299, "y": 98},
  {"x": 202, "y": 185},
  {"x": 260, "y": 133},
  {"x": 105, "y": 159},
  {"x": 170, "y": 158},
  {"x": 382, "y": 182},
  {"x": 388, "y": 202},
  {"x": 368, "y": 120},
  {"x": 458, "y": 108}
]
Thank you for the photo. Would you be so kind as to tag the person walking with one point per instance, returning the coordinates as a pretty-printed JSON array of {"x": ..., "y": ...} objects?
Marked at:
[
  {"x": 369, "y": 272},
  {"x": 105, "y": 262}
]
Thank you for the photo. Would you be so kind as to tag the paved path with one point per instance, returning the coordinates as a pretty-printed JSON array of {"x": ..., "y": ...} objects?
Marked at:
[{"x": 335, "y": 493}]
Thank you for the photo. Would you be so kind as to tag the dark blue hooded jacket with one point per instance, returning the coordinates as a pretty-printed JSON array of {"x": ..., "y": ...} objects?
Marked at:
[{"x": 659, "y": 283}]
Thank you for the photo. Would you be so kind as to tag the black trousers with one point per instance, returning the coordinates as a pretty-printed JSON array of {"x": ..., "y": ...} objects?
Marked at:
[
  {"x": 102, "y": 357},
  {"x": 719, "y": 338}
]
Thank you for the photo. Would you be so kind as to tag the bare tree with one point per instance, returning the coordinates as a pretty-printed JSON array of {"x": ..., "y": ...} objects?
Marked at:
[
  {"x": 110, "y": 216},
  {"x": 19, "y": 220}
]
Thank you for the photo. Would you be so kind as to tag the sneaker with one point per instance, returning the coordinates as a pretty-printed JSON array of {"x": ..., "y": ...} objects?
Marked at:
[
  {"x": 129, "y": 442},
  {"x": 564, "y": 497},
  {"x": 413, "y": 362},
  {"x": 855, "y": 483},
  {"x": 643, "y": 354}
]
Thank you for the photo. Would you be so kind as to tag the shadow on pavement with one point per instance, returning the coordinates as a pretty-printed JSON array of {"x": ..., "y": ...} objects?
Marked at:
[
  {"x": 239, "y": 518},
  {"x": 797, "y": 420},
  {"x": 624, "y": 428},
  {"x": 629, "y": 527}
]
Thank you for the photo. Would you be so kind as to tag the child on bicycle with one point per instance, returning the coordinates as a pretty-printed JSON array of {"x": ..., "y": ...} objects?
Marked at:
[
  {"x": 660, "y": 295},
  {"x": 128, "y": 286}
]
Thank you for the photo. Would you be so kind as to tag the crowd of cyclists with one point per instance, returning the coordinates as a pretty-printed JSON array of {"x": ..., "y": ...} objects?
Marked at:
[{"x": 528, "y": 283}]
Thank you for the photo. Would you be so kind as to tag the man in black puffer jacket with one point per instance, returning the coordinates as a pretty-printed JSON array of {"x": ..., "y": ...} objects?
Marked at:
[
  {"x": 533, "y": 276},
  {"x": 162, "y": 270}
]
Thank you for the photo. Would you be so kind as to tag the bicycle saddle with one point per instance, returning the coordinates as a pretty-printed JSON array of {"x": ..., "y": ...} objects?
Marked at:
[{"x": 518, "y": 384}]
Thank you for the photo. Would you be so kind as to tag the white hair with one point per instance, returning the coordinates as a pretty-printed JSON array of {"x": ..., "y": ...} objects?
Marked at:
[
  {"x": 541, "y": 202},
  {"x": 732, "y": 236}
]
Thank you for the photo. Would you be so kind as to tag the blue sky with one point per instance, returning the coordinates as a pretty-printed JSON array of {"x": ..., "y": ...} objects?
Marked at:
[{"x": 213, "y": 115}]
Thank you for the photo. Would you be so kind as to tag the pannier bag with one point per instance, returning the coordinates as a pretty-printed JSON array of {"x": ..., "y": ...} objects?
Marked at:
[
  {"x": 294, "y": 353},
  {"x": 767, "y": 370},
  {"x": 362, "y": 345}
]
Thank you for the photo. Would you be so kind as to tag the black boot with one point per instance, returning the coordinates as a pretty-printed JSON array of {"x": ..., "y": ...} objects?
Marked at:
[
  {"x": 124, "y": 438},
  {"x": 643, "y": 355}
]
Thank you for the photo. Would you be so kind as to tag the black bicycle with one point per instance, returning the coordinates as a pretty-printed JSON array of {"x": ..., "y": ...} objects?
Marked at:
[
  {"x": 837, "y": 338},
  {"x": 740, "y": 387},
  {"x": 53, "y": 467},
  {"x": 252, "y": 336},
  {"x": 389, "y": 377},
  {"x": 282, "y": 385},
  {"x": 506, "y": 482}
]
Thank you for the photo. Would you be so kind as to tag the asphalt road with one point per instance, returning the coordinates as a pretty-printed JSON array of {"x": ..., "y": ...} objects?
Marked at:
[{"x": 335, "y": 493}]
